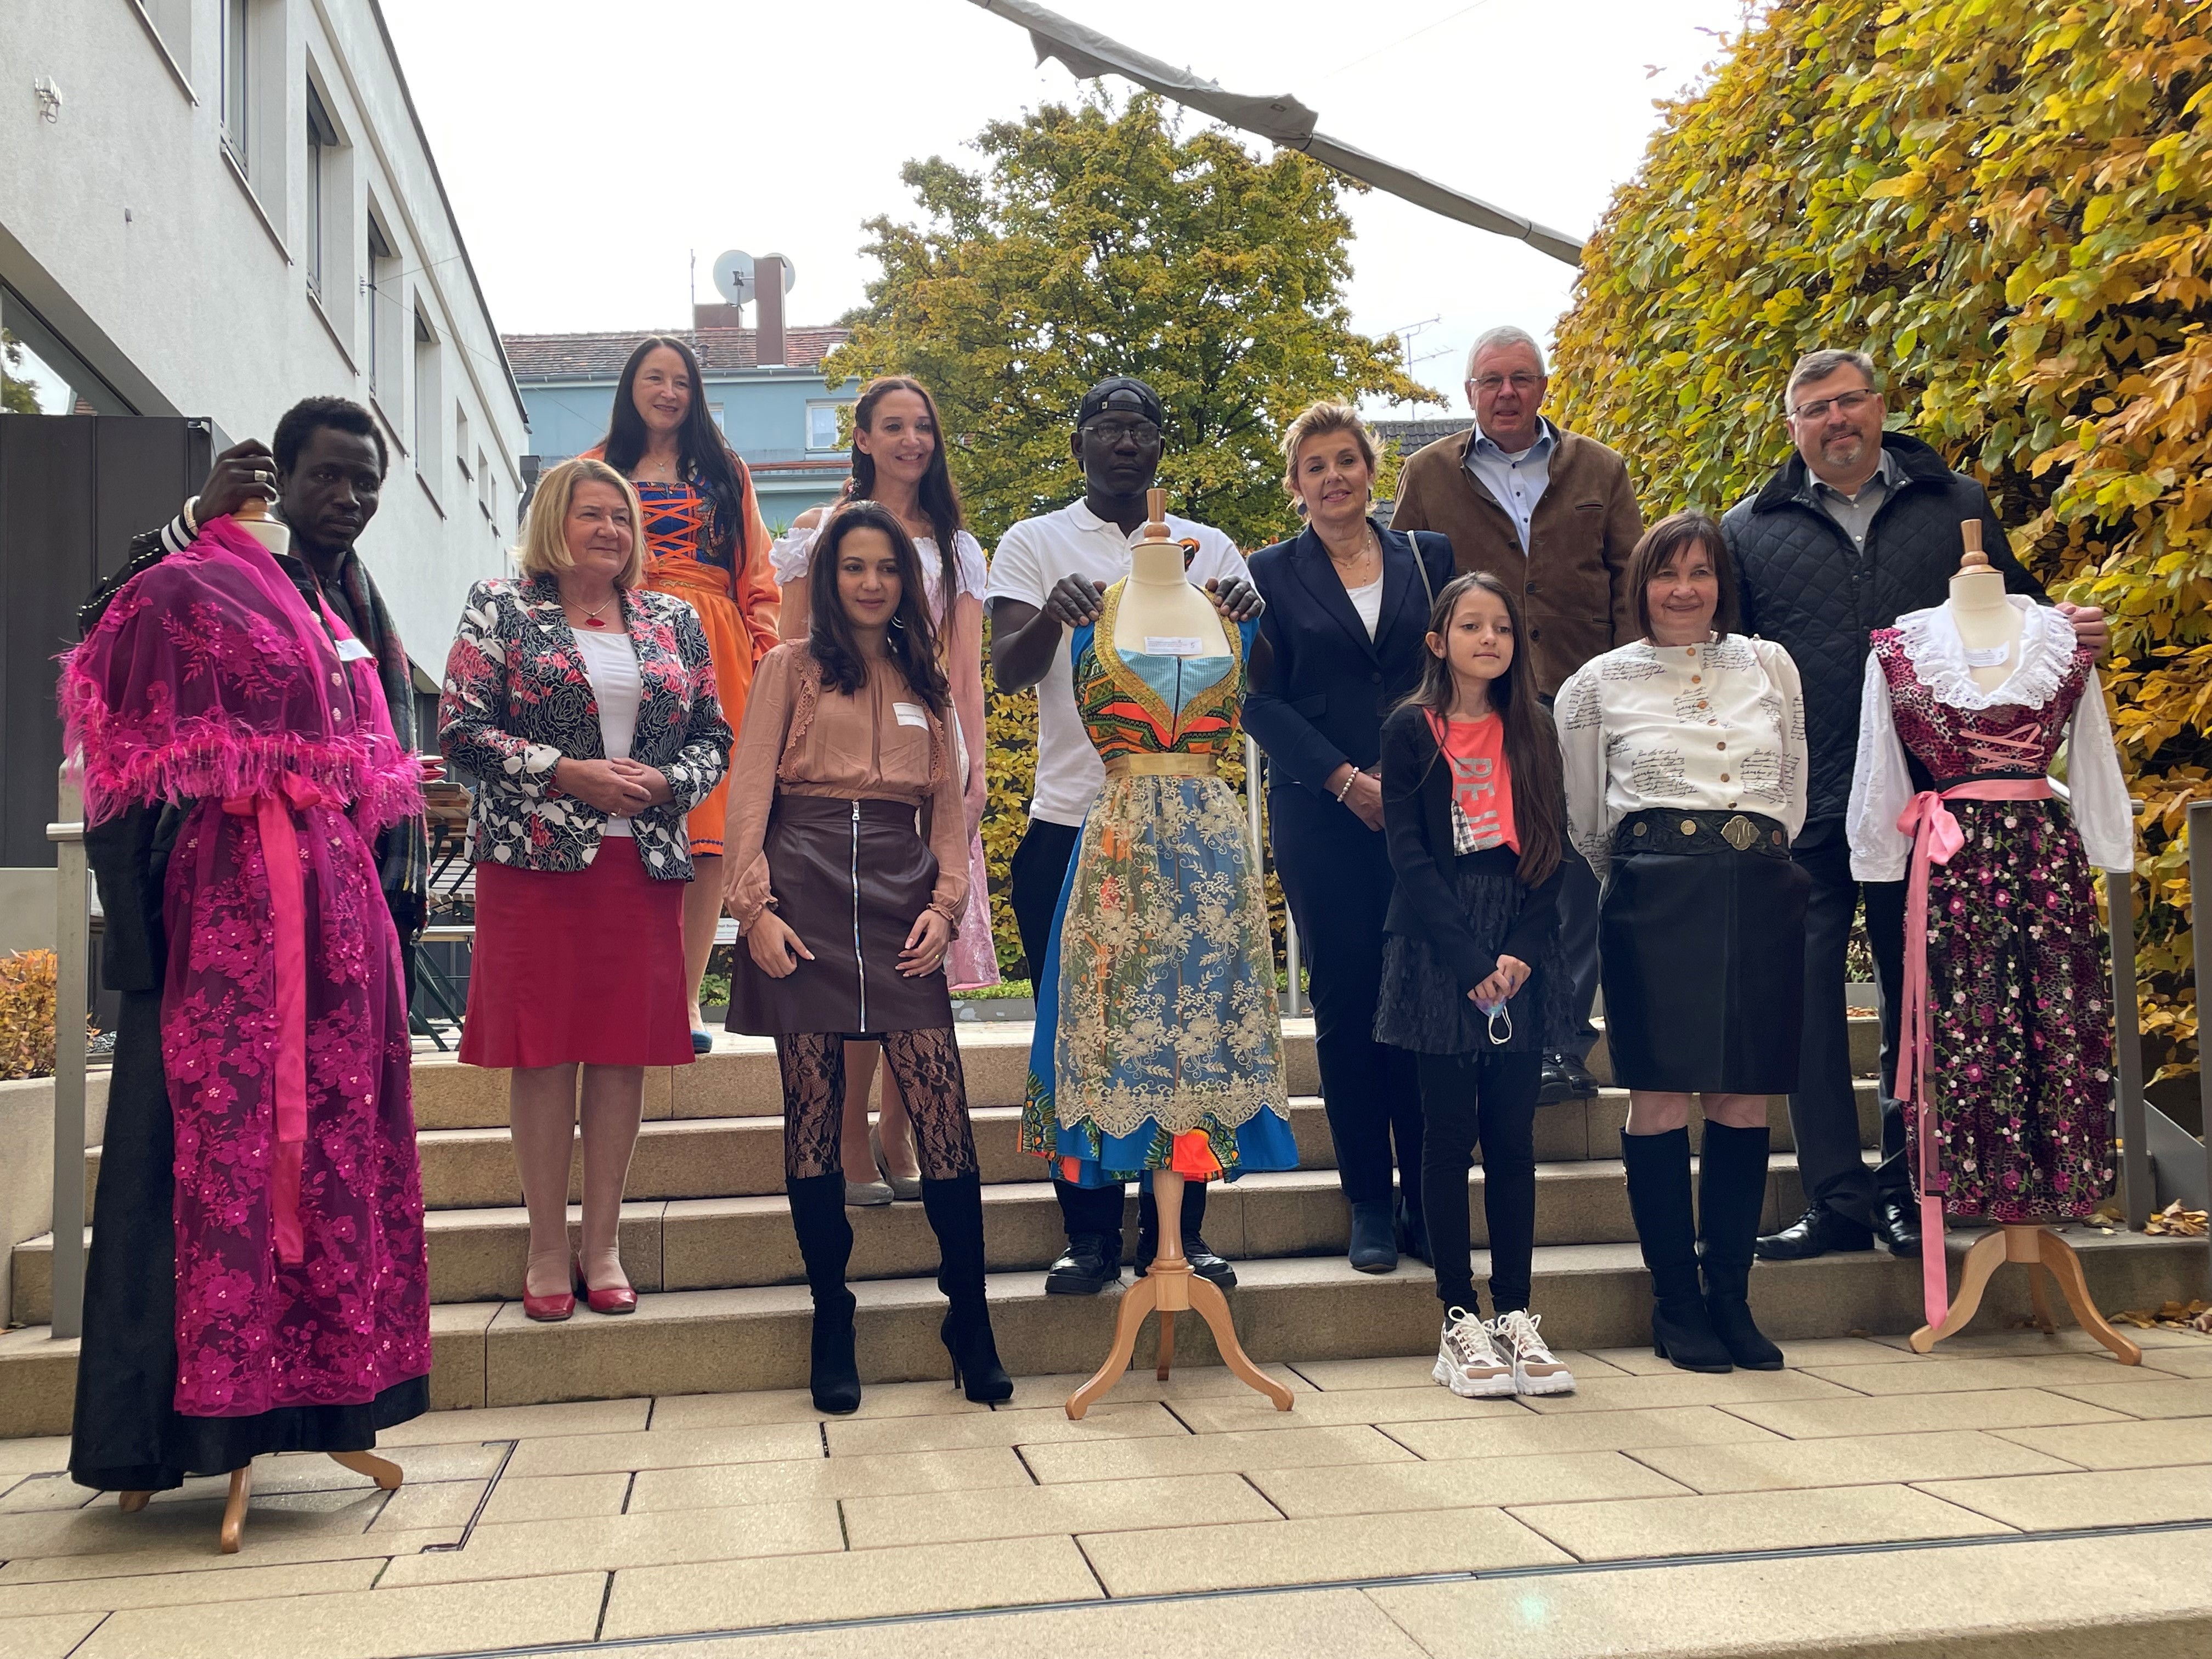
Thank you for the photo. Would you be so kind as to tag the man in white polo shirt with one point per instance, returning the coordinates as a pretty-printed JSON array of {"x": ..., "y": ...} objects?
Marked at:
[{"x": 1046, "y": 577}]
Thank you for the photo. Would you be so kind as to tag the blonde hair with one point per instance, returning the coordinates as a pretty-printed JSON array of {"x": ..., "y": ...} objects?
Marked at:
[
  {"x": 544, "y": 550},
  {"x": 1322, "y": 419}
]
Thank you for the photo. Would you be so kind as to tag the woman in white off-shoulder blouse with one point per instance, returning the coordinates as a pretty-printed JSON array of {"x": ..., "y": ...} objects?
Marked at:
[{"x": 1684, "y": 762}]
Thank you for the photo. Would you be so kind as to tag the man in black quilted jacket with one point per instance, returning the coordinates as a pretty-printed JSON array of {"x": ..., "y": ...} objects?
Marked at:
[{"x": 1857, "y": 528}]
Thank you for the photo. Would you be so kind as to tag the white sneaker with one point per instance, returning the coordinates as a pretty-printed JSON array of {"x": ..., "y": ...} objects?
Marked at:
[
  {"x": 1534, "y": 1370},
  {"x": 1467, "y": 1364}
]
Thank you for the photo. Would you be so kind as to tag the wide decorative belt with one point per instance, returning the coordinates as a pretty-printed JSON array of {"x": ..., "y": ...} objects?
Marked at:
[
  {"x": 1669, "y": 829},
  {"x": 1163, "y": 766},
  {"x": 1935, "y": 837}
]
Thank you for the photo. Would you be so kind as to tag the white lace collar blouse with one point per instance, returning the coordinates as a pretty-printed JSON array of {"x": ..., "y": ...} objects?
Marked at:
[
  {"x": 1881, "y": 783},
  {"x": 1716, "y": 727}
]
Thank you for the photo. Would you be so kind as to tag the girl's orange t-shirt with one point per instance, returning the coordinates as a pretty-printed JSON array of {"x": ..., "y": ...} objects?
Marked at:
[{"x": 1482, "y": 784}]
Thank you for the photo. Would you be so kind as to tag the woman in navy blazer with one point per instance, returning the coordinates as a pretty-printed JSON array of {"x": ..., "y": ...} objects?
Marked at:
[{"x": 1347, "y": 607}]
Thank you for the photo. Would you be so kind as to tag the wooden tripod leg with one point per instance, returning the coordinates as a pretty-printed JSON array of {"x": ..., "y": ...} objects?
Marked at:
[
  {"x": 1208, "y": 1302},
  {"x": 1987, "y": 1256},
  {"x": 1136, "y": 1301},
  {"x": 1167, "y": 1344},
  {"x": 2039, "y": 1300},
  {"x": 131, "y": 1502},
  {"x": 2066, "y": 1267},
  {"x": 234, "y": 1509},
  {"x": 384, "y": 1472}
]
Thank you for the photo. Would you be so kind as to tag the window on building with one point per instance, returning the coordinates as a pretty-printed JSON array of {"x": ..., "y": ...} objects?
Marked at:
[
  {"x": 237, "y": 16},
  {"x": 461, "y": 441},
  {"x": 484, "y": 488},
  {"x": 720, "y": 425},
  {"x": 821, "y": 426},
  {"x": 322, "y": 139},
  {"x": 383, "y": 269},
  {"x": 429, "y": 401},
  {"x": 38, "y": 373}
]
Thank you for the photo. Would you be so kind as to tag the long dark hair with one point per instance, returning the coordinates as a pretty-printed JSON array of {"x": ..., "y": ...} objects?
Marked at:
[
  {"x": 912, "y": 637},
  {"x": 702, "y": 452},
  {"x": 1531, "y": 748},
  {"x": 939, "y": 499}
]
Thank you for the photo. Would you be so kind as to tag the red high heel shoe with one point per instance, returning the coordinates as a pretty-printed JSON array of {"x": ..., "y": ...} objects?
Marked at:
[
  {"x": 546, "y": 1309},
  {"x": 620, "y": 1300}
]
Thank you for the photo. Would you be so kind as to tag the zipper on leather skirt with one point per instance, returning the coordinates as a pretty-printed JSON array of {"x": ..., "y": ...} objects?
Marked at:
[{"x": 859, "y": 960}]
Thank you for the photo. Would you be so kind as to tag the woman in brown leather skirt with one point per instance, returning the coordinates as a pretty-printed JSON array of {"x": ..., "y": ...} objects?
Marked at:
[{"x": 847, "y": 856}]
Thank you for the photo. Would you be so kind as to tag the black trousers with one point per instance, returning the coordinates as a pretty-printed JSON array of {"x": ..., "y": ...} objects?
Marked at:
[
  {"x": 1337, "y": 880},
  {"x": 1824, "y": 1117},
  {"x": 1579, "y": 892},
  {"x": 1488, "y": 1099},
  {"x": 1033, "y": 883}
]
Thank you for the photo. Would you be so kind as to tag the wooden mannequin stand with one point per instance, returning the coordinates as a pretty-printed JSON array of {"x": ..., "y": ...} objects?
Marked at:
[
  {"x": 2037, "y": 1248},
  {"x": 384, "y": 1472},
  {"x": 1169, "y": 1287}
]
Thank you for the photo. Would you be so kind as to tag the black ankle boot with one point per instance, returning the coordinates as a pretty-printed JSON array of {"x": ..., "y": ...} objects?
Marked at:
[
  {"x": 955, "y": 1209},
  {"x": 1731, "y": 1192},
  {"x": 1659, "y": 1198},
  {"x": 825, "y": 1240}
]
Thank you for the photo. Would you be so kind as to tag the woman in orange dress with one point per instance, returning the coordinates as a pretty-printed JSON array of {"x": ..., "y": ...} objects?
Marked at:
[{"x": 705, "y": 543}]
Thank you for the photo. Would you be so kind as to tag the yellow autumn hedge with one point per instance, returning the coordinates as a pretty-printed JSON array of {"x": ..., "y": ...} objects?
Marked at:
[{"x": 2009, "y": 203}]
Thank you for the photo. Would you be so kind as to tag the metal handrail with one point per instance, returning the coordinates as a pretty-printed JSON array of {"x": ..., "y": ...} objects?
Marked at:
[
  {"x": 72, "y": 995},
  {"x": 2200, "y": 872}
]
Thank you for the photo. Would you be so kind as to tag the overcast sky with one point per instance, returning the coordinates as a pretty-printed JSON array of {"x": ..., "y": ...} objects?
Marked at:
[{"x": 591, "y": 150}]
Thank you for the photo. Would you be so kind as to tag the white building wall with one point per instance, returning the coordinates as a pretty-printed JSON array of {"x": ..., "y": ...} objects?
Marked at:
[{"x": 182, "y": 279}]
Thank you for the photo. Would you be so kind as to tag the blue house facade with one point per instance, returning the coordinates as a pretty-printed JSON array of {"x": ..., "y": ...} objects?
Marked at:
[{"x": 781, "y": 419}]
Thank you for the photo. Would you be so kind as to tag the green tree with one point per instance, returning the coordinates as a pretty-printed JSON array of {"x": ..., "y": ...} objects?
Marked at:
[
  {"x": 2009, "y": 203},
  {"x": 1100, "y": 241},
  {"x": 17, "y": 397}
]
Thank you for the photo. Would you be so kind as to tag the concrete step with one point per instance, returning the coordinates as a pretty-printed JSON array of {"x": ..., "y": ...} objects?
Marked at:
[
  {"x": 1296, "y": 1307},
  {"x": 739, "y": 1079},
  {"x": 742, "y": 1157},
  {"x": 724, "y": 1244}
]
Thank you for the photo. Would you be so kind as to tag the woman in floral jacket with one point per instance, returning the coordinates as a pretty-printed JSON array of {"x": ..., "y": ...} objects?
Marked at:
[{"x": 584, "y": 706}]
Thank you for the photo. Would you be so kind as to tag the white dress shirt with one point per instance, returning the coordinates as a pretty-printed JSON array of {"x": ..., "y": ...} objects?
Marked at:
[
  {"x": 1517, "y": 477},
  {"x": 1032, "y": 557},
  {"x": 1881, "y": 784},
  {"x": 610, "y": 664},
  {"x": 1718, "y": 727}
]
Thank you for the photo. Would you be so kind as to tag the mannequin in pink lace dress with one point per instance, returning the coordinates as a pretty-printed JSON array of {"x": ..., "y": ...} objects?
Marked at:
[{"x": 211, "y": 684}]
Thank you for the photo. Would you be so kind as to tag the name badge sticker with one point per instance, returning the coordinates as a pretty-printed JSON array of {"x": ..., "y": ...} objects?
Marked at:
[
  {"x": 911, "y": 713},
  {"x": 1989, "y": 658},
  {"x": 354, "y": 651},
  {"x": 1172, "y": 645}
]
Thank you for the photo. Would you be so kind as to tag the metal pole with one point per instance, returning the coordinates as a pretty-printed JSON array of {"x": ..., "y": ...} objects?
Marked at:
[
  {"x": 1294, "y": 1001},
  {"x": 71, "y": 997},
  {"x": 2127, "y": 1043},
  {"x": 2200, "y": 872}
]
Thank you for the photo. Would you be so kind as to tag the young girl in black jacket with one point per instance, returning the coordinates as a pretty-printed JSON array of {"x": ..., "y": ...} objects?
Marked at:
[{"x": 1471, "y": 979}]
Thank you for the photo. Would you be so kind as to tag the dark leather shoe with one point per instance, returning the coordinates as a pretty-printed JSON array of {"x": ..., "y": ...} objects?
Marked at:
[
  {"x": 1203, "y": 1262},
  {"x": 1092, "y": 1262},
  {"x": 1413, "y": 1234},
  {"x": 1897, "y": 1225},
  {"x": 1564, "y": 1078},
  {"x": 1816, "y": 1232},
  {"x": 1374, "y": 1247}
]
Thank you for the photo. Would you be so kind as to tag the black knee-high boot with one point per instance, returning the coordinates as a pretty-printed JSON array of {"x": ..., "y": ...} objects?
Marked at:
[
  {"x": 1731, "y": 1193},
  {"x": 825, "y": 1240},
  {"x": 1659, "y": 1198},
  {"x": 955, "y": 1209}
]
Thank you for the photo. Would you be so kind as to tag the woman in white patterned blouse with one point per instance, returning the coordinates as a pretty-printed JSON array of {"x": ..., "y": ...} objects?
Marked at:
[{"x": 1684, "y": 760}]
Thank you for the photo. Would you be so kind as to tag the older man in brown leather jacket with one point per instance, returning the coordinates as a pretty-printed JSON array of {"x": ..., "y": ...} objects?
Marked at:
[{"x": 1552, "y": 514}]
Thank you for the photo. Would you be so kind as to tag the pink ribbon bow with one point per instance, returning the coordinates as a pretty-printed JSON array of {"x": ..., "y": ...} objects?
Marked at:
[{"x": 280, "y": 854}]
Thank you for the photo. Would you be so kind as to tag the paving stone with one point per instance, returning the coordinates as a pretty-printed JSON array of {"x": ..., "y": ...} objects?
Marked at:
[
  {"x": 1845, "y": 1460},
  {"x": 1209, "y": 1454},
  {"x": 591, "y": 1454},
  {"x": 1612, "y": 1394},
  {"x": 527, "y": 1549},
  {"x": 1918, "y": 1376},
  {"x": 557, "y": 1497},
  {"x": 1111, "y": 1420},
  {"x": 1639, "y": 1528},
  {"x": 2189, "y": 1397},
  {"x": 906, "y": 1474},
  {"x": 50, "y": 1636},
  {"x": 1462, "y": 1483},
  {"x": 1984, "y": 1408},
  {"x": 2106, "y": 1498},
  {"x": 859, "y": 1583},
  {"x": 1181, "y": 1560},
  {"x": 191, "y": 1549},
  {"x": 2156, "y": 1444},
  {"x": 163, "y": 1589},
  {"x": 1086, "y": 1507},
  {"x": 1531, "y": 1435}
]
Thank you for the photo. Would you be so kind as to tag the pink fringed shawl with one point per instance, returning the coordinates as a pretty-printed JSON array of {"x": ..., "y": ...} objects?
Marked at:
[
  {"x": 300, "y": 1268},
  {"x": 208, "y": 676}
]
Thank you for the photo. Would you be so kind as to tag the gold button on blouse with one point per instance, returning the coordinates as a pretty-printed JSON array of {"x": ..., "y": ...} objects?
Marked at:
[
  {"x": 1724, "y": 780},
  {"x": 1696, "y": 679},
  {"x": 1689, "y": 826}
]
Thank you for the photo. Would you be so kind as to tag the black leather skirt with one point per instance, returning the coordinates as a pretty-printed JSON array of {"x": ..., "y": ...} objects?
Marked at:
[
  {"x": 849, "y": 877},
  {"x": 1701, "y": 949}
]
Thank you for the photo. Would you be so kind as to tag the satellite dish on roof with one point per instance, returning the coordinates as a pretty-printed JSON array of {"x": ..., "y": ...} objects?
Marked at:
[{"x": 733, "y": 276}]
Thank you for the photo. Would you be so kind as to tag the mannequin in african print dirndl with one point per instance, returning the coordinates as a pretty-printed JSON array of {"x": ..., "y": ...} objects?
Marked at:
[{"x": 1159, "y": 1045}]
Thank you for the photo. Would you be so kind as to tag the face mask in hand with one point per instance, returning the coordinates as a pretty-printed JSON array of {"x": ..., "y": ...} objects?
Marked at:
[{"x": 1495, "y": 1011}]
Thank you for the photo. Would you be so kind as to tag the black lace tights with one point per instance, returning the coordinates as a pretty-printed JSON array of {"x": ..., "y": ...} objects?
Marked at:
[{"x": 926, "y": 1065}]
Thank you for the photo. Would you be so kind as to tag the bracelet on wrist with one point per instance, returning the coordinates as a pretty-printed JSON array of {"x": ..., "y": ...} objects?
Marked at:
[{"x": 1355, "y": 775}]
